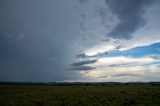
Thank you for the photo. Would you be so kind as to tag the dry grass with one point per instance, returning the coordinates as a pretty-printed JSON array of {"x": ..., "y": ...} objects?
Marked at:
[{"x": 18, "y": 95}]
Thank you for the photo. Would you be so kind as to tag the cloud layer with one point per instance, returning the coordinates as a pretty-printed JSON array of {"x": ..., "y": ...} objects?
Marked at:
[
  {"x": 79, "y": 40},
  {"x": 130, "y": 13}
]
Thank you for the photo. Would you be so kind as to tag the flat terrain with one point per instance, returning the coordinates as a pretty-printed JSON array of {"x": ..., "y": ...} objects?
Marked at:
[{"x": 117, "y": 95}]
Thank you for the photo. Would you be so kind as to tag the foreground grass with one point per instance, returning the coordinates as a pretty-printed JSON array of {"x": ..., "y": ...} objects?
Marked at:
[{"x": 23, "y": 95}]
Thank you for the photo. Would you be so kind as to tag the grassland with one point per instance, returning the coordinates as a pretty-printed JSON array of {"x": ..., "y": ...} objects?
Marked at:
[{"x": 117, "y": 95}]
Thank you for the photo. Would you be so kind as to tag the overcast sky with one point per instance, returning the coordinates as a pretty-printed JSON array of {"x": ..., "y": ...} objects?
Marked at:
[{"x": 79, "y": 40}]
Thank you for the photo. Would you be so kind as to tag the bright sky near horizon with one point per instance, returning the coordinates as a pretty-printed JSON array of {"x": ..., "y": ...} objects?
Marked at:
[{"x": 79, "y": 40}]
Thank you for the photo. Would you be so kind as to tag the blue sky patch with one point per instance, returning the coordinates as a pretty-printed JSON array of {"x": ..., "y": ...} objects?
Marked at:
[{"x": 153, "y": 49}]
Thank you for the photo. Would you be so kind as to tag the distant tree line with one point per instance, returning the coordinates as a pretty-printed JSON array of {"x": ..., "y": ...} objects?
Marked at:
[{"x": 81, "y": 83}]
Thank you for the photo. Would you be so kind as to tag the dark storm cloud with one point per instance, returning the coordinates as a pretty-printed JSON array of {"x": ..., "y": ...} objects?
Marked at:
[
  {"x": 20, "y": 61},
  {"x": 33, "y": 38},
  {"x": 102, "y": 11},
  {"x": 130, "y": 14},
  {"x": 82, "y": 68},
  {"x": 80, "y": 63}
]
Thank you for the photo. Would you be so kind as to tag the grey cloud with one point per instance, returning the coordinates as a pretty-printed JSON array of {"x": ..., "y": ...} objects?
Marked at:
[
  {"x": 101, "y": 54},
  {"x": 114, "y": 65},
  {"x": 126, "y": 74},
  {"x": 130, "y": 14},
  {"x": 105, "y": 40},
  {"x": 37, "y": 39},
  {"x": 102, "y": 14},
  {"x": 102, "y": 76},
  {"x": 155, "y": 57},
  {"x": 31, "y": 34},
  {"x": 82, "y": 26},
  {"x": 118, "y": 47},
  {"x": 83, "y": 68},
  {"x": 82, "y": 55},
  {"x": 83, "y": 1},
  {"x": 123, "y": 65},
  {"x": 126, "y": 65},
  {"x": 20, "y": 36},
  {"x": 80, "y": 63}
]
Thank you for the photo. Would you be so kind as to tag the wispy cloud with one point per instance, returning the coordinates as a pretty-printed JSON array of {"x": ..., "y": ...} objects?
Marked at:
[
  {"x": 126, "y": 74},
  {"x": 121, "y": 67},
  {"x": 81, "y": 68},
  {"x": 155, "y": 57},
  {"x": 80, "y": 63},
  {"x": 122, "y": 61}
]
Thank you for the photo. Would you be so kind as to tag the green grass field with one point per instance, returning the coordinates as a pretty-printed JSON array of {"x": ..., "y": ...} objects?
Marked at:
[{"x": 30, "y": 95}]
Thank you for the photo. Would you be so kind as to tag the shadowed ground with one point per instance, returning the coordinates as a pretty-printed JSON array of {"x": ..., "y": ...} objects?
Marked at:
[{"x": 116, "y": 95}]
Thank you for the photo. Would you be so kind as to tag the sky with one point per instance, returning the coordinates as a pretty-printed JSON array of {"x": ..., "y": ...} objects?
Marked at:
[{"x": 79, "y": 40}]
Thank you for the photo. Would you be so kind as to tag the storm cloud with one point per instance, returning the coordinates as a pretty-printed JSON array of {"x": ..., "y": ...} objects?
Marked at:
[
  {"x": 130, "y": 13},
  {"x": 34, "y": 45},
  {"x": 40, "y": 40}
]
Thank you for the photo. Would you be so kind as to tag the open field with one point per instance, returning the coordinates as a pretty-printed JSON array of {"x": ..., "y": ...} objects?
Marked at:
[{"x": 116, "y": 95}]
